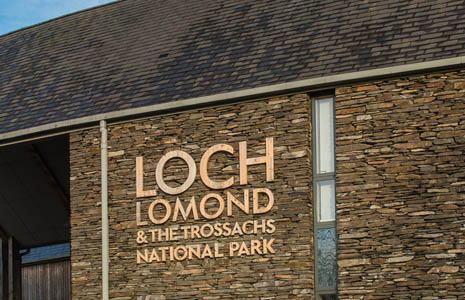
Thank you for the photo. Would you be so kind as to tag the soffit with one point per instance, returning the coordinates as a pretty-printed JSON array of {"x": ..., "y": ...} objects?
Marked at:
[{"x": 34, "y": 185}]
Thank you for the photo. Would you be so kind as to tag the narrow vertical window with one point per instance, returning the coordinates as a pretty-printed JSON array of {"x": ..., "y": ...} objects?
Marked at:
[
  {"x": 324, "y": 135},
  {"x": 324, "y": 195}
]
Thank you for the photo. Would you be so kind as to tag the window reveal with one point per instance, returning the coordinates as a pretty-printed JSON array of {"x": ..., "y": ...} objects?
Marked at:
[{"x": 324, "y": 187}]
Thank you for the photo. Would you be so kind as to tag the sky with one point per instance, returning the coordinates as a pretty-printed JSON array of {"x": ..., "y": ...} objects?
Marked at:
[{"x": 17, "y": 14}]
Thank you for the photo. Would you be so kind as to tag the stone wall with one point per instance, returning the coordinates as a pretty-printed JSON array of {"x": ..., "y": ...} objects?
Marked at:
[
  {"x": 400, "y": 149},
  {"x": 86, "y": 234},
  {"x": 286, "y": 274}
]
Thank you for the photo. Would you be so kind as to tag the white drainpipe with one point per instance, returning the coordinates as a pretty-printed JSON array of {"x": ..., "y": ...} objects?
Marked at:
[{"x": 105, "y": 246}]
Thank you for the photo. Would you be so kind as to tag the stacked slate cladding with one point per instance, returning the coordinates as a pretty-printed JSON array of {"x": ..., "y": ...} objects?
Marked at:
[
  {"x": 400, "y": 188},
  {"x": 135, "y": 53},
  {"x": 400, "y": 209},
  {"x": 288, "y": 271}
]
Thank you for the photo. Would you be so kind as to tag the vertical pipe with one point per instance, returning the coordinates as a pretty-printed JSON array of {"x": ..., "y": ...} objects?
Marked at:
[
  {"x": 2, "y": 277},
  {"x": 10, "y": 269},
  {"x": 105, "y": 246}
]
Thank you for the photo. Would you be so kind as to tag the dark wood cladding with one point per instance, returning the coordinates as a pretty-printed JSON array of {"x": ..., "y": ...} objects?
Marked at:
[{"x": 47, "y": 281}]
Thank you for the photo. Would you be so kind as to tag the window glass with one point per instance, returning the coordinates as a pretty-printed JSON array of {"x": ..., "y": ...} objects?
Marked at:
[
  {"x": 327, "y": 268},
  {"x": 328, "y": 297},
  {"x": 326, "y": 200},
  {"x": 324, "y": 135},
  {"x": 324, "y": 176}
]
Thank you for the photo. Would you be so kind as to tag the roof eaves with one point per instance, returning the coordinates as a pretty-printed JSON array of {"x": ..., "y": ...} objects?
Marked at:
[{"x": 230, "y": 97}]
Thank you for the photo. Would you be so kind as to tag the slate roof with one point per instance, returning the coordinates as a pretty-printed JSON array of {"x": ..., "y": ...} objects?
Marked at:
[{"x": 134, "y": 53}]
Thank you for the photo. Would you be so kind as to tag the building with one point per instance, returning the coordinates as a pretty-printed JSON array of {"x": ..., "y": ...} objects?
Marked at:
[{"x": 239, "y": 149}]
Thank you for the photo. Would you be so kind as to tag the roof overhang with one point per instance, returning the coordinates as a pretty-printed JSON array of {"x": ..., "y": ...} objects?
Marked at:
[
  {"x": 230, "y": 97},
  {"x": 34, "y": 192}
]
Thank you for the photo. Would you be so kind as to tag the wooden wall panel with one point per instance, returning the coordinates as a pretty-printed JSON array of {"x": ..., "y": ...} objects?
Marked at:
[{"x": 48, "y": 281}]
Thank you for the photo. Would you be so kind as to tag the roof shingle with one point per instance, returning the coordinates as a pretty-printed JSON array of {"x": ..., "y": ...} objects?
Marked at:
[{"x": 134, "y": 53}]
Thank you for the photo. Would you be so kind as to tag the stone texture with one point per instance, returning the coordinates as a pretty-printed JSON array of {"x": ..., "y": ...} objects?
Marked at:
[
  {"x": 287, "y": 274},
  {"x": 85, "y": 214},
  {"x": 400, "y": 197}
]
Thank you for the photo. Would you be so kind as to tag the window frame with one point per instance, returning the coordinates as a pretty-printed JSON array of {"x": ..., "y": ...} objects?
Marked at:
[{"x": 317, "y": 177}]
